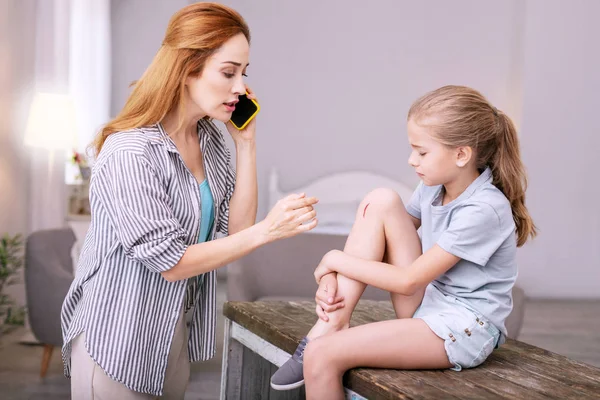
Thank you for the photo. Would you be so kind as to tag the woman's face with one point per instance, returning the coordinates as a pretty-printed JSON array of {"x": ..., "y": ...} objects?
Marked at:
[{"x": 215, "y": 91}]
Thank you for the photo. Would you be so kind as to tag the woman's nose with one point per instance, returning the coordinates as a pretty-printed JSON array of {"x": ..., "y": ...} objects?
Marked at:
[{"x": 239, "y": 87}]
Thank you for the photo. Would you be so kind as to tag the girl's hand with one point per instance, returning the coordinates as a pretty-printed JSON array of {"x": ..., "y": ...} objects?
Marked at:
[
  {"x": 327, "y": 264},
  {"x": 291, "y": 215},
  {"x": 249, "y": 132},
  {"x": 326, "y": 296}
]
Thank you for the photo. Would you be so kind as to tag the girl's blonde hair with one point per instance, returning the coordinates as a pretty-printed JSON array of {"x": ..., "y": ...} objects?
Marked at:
[
  {"x": 461, "y": 116},
  {"x": 194, "y": 33}
]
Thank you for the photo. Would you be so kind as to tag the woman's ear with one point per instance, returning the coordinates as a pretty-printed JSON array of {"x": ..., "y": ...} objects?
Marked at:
[
  {"x": 191, "y": 78},
  {"x": 463, "y": 155}
]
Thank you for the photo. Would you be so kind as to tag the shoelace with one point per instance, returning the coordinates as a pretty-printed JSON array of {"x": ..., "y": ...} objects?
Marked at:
[{"x": 299, "y": 353}]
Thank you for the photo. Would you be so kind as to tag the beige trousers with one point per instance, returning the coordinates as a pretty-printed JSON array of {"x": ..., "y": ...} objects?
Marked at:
[{"x": 90, "y": 382}]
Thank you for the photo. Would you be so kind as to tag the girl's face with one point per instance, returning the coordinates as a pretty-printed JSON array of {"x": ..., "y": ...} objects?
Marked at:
[
  {"x": 215, "y": 91},
  {"x": 435, "y": 163}
]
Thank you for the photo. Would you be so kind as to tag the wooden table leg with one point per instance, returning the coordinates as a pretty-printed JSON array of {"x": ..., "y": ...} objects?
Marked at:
[{"x": 231, "y": 373}]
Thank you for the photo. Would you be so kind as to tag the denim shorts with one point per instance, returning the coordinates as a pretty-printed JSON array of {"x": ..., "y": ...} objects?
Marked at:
[{"x": 468, "y": 337}]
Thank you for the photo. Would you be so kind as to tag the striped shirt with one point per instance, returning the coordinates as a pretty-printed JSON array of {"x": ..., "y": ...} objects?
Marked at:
[{"x": 145, "y": 213}]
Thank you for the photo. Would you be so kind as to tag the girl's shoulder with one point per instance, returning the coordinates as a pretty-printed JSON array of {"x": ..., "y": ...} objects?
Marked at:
[
  {"x": 490, "y": 194},
  {"x": 427, "y": 193},
  {"x": 491, "y": 199}
]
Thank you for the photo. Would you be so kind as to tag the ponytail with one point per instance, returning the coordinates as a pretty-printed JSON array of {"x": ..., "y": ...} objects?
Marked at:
[
  {"x": 509, "y": 176},
  {"x": 463, "y": 117}
]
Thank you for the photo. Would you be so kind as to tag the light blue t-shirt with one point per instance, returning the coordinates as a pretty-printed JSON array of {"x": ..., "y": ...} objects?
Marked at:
[{"x": 478, "y": 227}]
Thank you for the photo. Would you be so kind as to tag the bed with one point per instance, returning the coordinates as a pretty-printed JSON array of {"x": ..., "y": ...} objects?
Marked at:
[{"x": 339, "y": 195}]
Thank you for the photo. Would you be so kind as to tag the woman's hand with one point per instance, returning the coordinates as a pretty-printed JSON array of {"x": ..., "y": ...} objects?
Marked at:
[
  {"x": 291, "y": 215},
  {"x": 326, "y": 296},
  {"x": 247, "y": 134}
]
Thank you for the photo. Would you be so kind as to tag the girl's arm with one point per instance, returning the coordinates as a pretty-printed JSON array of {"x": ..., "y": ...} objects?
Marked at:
[
  {"x": 395, "y": 279},
  {"x": 416, "y": 221},
  {"x": 467, "y": 237}
]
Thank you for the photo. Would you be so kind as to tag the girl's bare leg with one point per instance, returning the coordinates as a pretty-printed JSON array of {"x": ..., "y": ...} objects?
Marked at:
[
  {"x": 382, "y": 230},
  {"x": 400, "y": 344}
]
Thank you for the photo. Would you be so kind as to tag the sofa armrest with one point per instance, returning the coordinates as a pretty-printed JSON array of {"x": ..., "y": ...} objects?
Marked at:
[
  {"x": 46, "y": 289},
  {"x": 48, "y": 276}
]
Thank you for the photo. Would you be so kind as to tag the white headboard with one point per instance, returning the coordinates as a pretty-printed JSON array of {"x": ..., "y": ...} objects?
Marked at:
[{"x": 339, "y": 196}]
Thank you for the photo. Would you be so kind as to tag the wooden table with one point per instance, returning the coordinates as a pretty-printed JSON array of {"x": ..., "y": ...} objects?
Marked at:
[{"x": 260, "y": 336}]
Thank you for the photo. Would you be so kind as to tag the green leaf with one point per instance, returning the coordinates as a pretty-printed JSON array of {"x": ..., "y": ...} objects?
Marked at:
[{"x": 11, "y": 262}]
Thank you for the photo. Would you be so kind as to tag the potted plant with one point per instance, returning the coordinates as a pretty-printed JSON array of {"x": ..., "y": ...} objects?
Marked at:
[
  {"x": 11, "y": 262},
  {"x": 79, "y": 203}
]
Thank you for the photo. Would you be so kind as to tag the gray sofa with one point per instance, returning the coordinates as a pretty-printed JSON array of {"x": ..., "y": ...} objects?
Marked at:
[
  {"x": 283, "y": 270},
  {"x": 48, "y": 275}
]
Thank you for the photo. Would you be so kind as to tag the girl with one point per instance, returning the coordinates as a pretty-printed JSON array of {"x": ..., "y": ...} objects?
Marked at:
[
  {"x": 450, "y": 283},
  {"x": 143, "y": 302}
]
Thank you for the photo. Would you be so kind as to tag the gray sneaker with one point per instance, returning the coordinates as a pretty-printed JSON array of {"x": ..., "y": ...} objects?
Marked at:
[{"x": 290, "y": 375}]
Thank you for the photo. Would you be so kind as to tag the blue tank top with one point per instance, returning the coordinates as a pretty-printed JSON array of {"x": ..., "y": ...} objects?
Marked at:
[
  {"x": 208, "y": 212},
  {"x": 207, "y": 220}
]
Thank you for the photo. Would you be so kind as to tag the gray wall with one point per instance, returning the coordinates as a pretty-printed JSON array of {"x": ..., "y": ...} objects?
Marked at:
[
  {"x": 17, "y": 38},
  {"x": 561, "y": 140},
  {"x": 138, "y": 28},
  {"x": 335, "y": 80}
]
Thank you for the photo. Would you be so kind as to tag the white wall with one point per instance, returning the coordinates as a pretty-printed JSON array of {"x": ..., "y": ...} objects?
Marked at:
[
  {"x": 335, "y": 80},
  {"x": 17, "y": 38},
  {"x": 138, "y": 28},
  {"x": 561, "y": 141}
]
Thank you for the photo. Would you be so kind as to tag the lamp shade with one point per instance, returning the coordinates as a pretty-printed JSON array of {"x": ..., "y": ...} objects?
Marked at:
[{"x": 51, "y": 124}]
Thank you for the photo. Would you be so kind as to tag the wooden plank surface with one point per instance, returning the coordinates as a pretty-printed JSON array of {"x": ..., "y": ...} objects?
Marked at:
[{"x": 516, "y": 370}]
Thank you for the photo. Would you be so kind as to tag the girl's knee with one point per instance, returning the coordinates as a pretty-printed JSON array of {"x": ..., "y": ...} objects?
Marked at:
[
  {"x": 317, "y": 359},
  {"x": 381, "y": 199},
  {"x": 316, "y": 352},
  {"x": 311, "y": 364}
]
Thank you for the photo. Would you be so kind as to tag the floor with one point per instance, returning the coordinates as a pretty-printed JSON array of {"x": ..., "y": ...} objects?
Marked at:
[{"x": 570, "y": 328}]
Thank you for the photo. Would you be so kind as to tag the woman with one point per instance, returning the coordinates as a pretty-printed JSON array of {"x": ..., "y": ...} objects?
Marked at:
[{"x": 161, "y": 190}]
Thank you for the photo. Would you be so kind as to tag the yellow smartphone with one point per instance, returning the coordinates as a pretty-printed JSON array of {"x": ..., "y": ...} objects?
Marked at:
[{"x": 245, "y": 110}]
